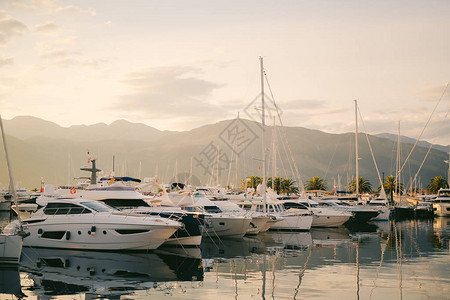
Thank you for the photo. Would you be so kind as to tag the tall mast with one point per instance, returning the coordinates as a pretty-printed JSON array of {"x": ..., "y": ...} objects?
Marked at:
[
  {"x": 11, "y": 180},
  {"x": 262, "y": 137},
  {"x": 274, "y": 154},
  {"x": 448, "y": 172},
  {"x": 236, "y": 150},
  {"x": 397, "y": 175},
  {"x": 356, "y": 150}
]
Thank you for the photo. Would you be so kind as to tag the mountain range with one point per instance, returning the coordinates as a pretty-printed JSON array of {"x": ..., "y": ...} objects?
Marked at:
[{"x": 44, "y": 151}]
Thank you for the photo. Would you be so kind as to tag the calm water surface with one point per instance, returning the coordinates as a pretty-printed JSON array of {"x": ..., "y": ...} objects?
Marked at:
[{"x": 383, "y": 260}]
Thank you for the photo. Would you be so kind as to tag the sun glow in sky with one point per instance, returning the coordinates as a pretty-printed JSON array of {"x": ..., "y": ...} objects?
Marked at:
[{"x": 177, "y": 65}]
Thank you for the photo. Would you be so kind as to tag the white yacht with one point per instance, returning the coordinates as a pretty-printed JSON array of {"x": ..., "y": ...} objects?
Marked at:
[
  {"x": 441, "y": 204},
  {"x": 383, "y": 207},
  {"x": 216, "y": 222},
  {"x": 92, "y": 225},
  {"x": 360, "y": 213},
  {"x": 322, "y": 216},
  {"x": 115, "y": 193},
  {"x": 296, "y": 220},
  {"x": 258, "y": 219},
  {"x": 5, "y": 200},
  {"x": 10, "y": 248}
]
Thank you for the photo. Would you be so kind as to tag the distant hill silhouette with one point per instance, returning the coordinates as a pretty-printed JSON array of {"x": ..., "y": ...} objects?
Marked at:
[{"x": 40, "y": 148}]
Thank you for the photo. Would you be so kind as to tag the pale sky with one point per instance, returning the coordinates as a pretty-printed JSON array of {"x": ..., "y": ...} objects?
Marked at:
[{"x": 177, "y": 65}]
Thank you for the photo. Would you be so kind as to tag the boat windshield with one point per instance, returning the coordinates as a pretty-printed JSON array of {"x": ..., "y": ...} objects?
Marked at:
[
  {"x": 296, "y": 205},
  {"x": 97, "y": 206},
  {"x": 276, "y": 208},
  {"x": 444, "y": 193},
  {"x": 344, "y": 204}
]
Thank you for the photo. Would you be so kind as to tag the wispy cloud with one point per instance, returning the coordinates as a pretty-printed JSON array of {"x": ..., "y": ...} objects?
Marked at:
[
  {"x": 76, "y": 9},
  {"x": 168, "y": 92},
  {"x": 49, "y": 27},
  {"x": 6, "y": 61},
  {"x": 9, "y": 28},
  {"x": 44, "y": 3},
  {"x": 434, "y": 93},
  {"x": 32, "y": 5}
]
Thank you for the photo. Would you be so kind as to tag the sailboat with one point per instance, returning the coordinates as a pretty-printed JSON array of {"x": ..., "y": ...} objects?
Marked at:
[
  {"x": 11, "y": 240},
  {"x": 293, "y": 220}
]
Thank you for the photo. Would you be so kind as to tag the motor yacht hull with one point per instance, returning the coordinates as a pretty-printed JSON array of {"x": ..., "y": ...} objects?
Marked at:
[
  {"x": 363, "y": 216},
  {"x": 272, "y": 221},
  {"x": 441, "y": 209},
  {"x": 10, "y": 248},
  {"x": 5, "y": 205},
  {"x": 223, "y": 226},
  {"x": 404, "y": 212},
  {"x": 93, "y": 233},
  {"x": 189, "y": 234},
  {"x": 294, "y": 222},
  {"x": 257, "y": 224},
  {"x": 329, "y": 220},
  {"x": 385, "y": 213}
]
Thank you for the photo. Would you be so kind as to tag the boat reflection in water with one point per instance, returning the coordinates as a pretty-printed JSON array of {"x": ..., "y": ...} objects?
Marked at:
[
  {"x": 68, "y": 272},
  {"x": 10, "y": 281},
  {"x": 393, "y": 260},
  {"x": 247, "y": 246}
]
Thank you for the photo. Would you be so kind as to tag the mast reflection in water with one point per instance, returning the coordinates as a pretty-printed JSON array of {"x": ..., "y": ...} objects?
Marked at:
[{"x": 385, "y": 260}]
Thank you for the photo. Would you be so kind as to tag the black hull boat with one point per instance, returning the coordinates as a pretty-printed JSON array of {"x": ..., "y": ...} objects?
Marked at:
[{"x": 362, "y": 216}]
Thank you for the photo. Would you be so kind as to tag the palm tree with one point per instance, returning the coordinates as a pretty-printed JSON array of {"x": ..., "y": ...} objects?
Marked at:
[
  {"x": 316, "y": 183},
  {"x": 283, "y": 185},
  {"x": 275, "y": 184},
  {"x": 390, "y": 186},
  {"x": 437, "y": 183},
  {"x": 364, "y": 185},
  {"x": 252, "y": 182},
  {"x": 288, "y": 186}
]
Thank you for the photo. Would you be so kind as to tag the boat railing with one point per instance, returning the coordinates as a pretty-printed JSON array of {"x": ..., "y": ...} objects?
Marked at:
[{"x": 177, "y": 216}]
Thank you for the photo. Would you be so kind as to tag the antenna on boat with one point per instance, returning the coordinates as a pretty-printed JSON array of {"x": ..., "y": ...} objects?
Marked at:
[{"x": 93, "y": 170}]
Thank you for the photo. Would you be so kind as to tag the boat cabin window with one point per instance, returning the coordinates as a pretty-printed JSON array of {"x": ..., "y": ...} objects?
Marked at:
[
  {"x": 192, "y": 209},
  {"x": 246, "y": 206},
  {"x": 97, "y": 206},
  {"x": 65, "y": 209},
  {"x": 125, "y": 203},
  {"x": 444, "y": 193},
  {"x": 260, "y": 208},
  {"x": 288, "y": 205},
  {"x": 442, "y": 200},
  {"x": 212, "y": 209}
]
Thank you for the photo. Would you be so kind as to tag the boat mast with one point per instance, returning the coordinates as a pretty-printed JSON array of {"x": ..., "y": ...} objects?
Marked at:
[
  {"x": 397, "y": 175},
  {"x": 356, "y": 150},
  {"x": 262, "y": 137},
  {"x": 11, "y": 180},
  {"x": 448, "y": 162},
  {"x": 274, "y": 153},
  {"x": 236, "y": 152}
]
